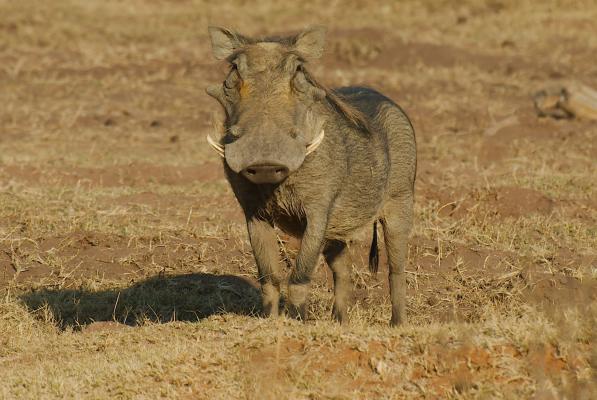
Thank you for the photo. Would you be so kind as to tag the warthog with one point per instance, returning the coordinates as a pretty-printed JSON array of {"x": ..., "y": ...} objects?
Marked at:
[{"x": 319, "y": 164}]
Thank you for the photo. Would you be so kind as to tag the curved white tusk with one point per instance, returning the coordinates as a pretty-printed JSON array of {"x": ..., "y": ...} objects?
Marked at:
[
  {"x": 315, "y": 142},
  {"x": 216, "y": 146}
]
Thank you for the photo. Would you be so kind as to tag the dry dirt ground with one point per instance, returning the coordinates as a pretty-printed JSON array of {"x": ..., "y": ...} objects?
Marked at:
[{"x": 125, "y": 270}]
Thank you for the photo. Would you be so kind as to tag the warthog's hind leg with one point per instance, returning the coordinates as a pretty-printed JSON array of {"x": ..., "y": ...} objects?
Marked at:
[
  {"x": 337, "y": 258},
  {"x": 265, "y": 249},
  {"x": 397, "y": 222}
]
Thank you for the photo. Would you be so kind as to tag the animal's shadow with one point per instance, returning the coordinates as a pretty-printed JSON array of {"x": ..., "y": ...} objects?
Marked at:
[{"x": 188, "y": 297}]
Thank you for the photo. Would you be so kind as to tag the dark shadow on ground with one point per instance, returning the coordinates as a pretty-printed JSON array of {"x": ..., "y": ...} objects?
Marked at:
[{"x": 188, "y": 297}]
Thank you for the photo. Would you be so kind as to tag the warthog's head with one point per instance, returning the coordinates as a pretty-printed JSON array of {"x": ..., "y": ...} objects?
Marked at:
[{"x": 270, "y": 101}]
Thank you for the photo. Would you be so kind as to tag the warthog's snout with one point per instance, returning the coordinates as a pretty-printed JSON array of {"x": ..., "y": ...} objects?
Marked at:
[
  {"x": 265, "y": 173},
  {"x": 266, "y": 159}
]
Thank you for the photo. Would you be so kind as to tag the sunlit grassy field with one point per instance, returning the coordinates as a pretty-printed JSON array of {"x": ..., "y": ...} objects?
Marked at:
[{"x": 125, "y": 269}]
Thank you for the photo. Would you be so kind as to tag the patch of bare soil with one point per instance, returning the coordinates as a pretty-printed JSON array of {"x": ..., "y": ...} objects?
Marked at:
[
  {"x": 150, "y": 71},
  {"x": 133, "y": 175},
  {"x": 501, "y": 202},
  {"x": 79, "y": 257},
  {"x": 556, "y": 293},
  {"x": 226, "y": 209},
  {"x": 516, "y": 202},
  {"x": 65, "y": 258},
  {"x": 370, "y": 367},
  {"x": 375, "y": 48},
  {"x": 153, "y": 200}
]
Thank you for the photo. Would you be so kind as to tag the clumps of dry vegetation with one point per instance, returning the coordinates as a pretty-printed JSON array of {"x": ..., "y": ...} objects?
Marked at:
[{"x": 124, "y": 266}]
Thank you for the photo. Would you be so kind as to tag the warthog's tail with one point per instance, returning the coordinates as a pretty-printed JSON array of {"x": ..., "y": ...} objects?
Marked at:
[{"x": 374, "y": 252}]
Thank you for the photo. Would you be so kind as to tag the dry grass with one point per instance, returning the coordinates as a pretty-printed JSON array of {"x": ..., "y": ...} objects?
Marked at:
[{"x": 124, "y": 266}]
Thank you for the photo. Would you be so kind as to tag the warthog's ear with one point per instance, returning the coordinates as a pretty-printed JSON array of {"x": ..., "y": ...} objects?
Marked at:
[
  {"x": 224, "y": 42},
  {"x": 310, "y": 43}
]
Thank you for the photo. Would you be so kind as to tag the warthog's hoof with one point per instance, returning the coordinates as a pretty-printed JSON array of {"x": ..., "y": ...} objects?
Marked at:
[
  {"x": 340, "y": 314},
  {"x": 297, "y": 299},
  {"x": 398, "y": 320},
  {"x": 271, "y": 300},
  {"x": 297, "y": 311}
]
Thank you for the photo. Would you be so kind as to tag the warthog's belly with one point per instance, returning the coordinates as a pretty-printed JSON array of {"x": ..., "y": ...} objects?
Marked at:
[
  {"x": 339, "y": 227},
  {"x": 359, "y": 202},
  {"x": 346, "y": 222}
]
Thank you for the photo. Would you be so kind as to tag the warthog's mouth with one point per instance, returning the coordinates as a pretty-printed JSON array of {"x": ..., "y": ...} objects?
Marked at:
[{"x": 310, "y": 148}]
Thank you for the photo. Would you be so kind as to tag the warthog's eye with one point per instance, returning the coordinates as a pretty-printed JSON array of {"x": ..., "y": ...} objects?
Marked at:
[
  {"x": 232, "y": 80},
  {"x": 302, "y": 85},
  {"x": 299, "y": 81},
  {"x": 232, "y": 85}
]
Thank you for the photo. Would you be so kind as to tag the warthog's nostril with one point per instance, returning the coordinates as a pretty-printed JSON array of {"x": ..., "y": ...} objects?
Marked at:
[{"x": 266, "y": 173}]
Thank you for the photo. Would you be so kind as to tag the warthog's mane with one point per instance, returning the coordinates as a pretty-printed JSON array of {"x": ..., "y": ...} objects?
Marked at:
[
  {"x": 351, "y": 114},
  {"x": 341, "y": 106}
]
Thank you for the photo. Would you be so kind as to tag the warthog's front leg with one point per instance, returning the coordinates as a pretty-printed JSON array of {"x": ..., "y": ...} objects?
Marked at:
[
  {"x": 265, "y": 249},
  {"x": 300, "y": 279}
]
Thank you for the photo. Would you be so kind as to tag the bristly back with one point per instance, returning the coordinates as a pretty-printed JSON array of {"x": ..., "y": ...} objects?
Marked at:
[{"x": 350, "y": 113}]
